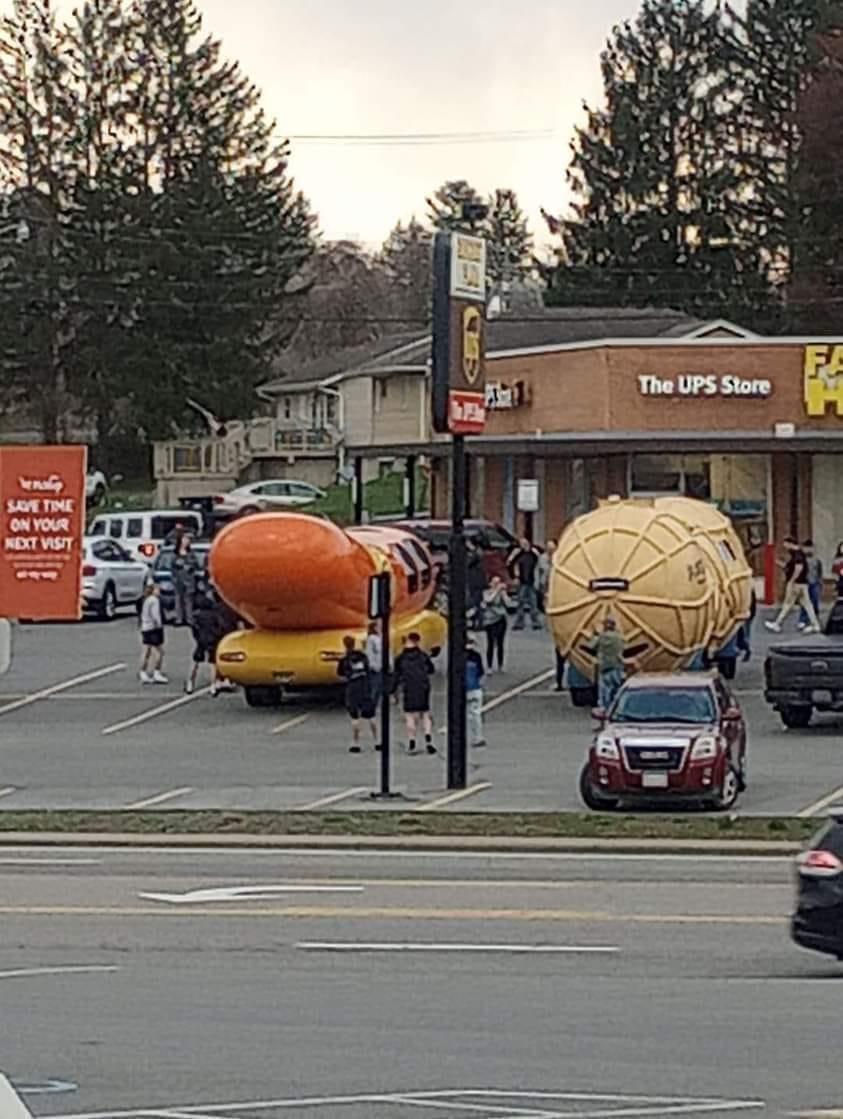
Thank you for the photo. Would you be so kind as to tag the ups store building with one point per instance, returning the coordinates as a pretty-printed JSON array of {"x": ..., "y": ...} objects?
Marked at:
[{"x": 753, "y": 425}]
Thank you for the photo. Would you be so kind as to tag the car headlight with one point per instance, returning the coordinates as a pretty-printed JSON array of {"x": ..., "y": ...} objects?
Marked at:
[
  {"x": 705, "y": 747},
  {"x": 607, "y": 748}
]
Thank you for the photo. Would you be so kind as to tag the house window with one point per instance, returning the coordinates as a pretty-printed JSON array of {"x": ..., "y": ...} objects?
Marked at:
[{"x": 287, "y": 408}]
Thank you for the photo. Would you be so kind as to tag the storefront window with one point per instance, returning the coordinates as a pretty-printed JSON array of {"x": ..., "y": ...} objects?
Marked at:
[{"x": 651, "y": 474}]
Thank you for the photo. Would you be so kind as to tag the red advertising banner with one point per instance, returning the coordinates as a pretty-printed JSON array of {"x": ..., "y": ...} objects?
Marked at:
[
  {"x": 42, "y": 524},
  {"x": 466, "y": 412}
]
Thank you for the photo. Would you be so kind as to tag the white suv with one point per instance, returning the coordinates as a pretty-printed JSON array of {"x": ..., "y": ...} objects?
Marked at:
[
  {"x": 143, "y": 534},
  {"x": 261, "y": 497}
]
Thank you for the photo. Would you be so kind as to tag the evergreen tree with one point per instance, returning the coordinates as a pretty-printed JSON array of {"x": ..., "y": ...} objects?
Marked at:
[
  {"x": 655, "y": 177},
  {"x": 509, "y": 245},
  {"x": 445, "y": 207},
  {"x": 407, "y": 256}
]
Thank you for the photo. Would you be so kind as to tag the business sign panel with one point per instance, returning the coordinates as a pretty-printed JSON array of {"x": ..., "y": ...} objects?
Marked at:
[
  {"x": 459, "y": 322},
  {"x": 42, "y": 525},
  {"x": 823, "y": 383}
]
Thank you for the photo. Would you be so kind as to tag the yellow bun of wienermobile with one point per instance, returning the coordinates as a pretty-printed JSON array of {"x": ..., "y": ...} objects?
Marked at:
[
  {"x": 669, "y": 571},
  {"x": 303, "y": 585}
]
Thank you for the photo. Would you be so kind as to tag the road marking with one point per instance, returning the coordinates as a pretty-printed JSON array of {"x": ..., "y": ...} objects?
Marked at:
[
  {"x": 334, "y": 798},
  {"x": 452, "y": 798},
  {"x": 247, "y": 893},
  {"x": 821, "y": 804},
  {"x": 414, "y": 913},
  {"x": 54, "y": 689},
  {"x": 513, "y": 693},
  {"x": 7, "y": 791},
  {"x": 48, "y": 862},
  {"x": 159, "y": 798},
  {"x": 154, "y": 712},
  {"x": 11, "y": 1105},
  {"x": 290, "y": 724},
  {"x": 633, "y": 1105},
  {"x": 410, "y": 946},
  {"x": 80, "y": 969}
]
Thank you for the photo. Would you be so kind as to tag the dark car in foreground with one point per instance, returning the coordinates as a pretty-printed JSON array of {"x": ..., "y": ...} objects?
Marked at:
[
  {"x": 678, "y": 736},
  {"x": 162, "y": 574},
  {"x": 818, "y": 920}
]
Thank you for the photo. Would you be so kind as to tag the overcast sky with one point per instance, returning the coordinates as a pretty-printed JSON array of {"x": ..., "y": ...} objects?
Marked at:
[{"x": 420, "y": 66}]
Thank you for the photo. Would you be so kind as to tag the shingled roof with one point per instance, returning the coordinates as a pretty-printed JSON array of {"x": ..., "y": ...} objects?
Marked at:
[{"x": 552, "y": 326}]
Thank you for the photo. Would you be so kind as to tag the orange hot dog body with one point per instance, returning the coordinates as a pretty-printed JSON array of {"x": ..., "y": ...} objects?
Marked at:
[{"x": 290, "y": 571}]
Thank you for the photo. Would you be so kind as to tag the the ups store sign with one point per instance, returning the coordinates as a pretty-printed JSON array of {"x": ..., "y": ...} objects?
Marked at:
[{"x": 459, "y": 314}]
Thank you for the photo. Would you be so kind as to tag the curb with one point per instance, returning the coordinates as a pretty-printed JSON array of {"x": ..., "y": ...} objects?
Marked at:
[{"x": 432, "y": 843}]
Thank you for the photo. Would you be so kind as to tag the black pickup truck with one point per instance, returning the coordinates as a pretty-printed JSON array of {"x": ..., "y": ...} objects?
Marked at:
[{"x": 806, "y": 674}]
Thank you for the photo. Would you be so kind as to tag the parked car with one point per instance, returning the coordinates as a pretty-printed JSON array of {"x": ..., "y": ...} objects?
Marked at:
[
  {"x": 262, "y": 497},
  {"x": 494, "y": 542},
  {"x": 162, "y": 574},
  {"x": 111, "y": 578},
  {"x": 680, "y": 735},
  {"x": 96, "y": 487},
  {"x": 817, "y": 921},
  {"x": 805, "y": 674},
  {"x": 144, "y": 533}
]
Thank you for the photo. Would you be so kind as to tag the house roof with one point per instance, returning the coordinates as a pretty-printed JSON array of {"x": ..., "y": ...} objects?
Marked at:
[{"x": 548, "y": 328}]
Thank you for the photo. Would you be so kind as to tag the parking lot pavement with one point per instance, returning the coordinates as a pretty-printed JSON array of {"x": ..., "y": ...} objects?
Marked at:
[{"x": 78, "y": 730}]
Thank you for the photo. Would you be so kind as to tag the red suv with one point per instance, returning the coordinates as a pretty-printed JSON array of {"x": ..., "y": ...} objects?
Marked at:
[{"x": 680, "y": 736}]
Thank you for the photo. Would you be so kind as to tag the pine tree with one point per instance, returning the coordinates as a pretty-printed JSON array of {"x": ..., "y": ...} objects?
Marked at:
[
  {"x": 407, "y": 256},
  {"x": 37, "y": 288},
  {"x": 446, "y": 206},
  {"x": 655, "y": 178},
  {"x": 509, "y": 245}
]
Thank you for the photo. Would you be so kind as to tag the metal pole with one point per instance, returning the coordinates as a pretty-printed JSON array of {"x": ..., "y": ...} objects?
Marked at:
[
  {"x": 410, "y": 491},
  {"x": 386, "y": 730},
  {"x": 457, "y": 746},
  {"x": 357, "y": 490}
]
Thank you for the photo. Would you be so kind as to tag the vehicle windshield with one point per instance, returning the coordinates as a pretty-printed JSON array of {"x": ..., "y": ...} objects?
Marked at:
[{"x": 664, "y": 705}]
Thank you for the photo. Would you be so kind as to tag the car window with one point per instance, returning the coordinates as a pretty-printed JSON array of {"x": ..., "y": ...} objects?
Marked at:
[
  {"x": 302, "y": 489},
  {"x": 134, "y": 528},
  {"x": 664, "y": 705},
  {"x": 829, "y": 838},
  {"x": 274, "y": 489},
  {"x": 496, "y": 538},
  {"x": 115, "y": 528},
  {"x": 120, "y": 554},
  {"x": 251, "y": 491},
  {"x": 97, "y": 528},
  {"x": 105, "y": 550},
  {"x": 164, "y": 523}
]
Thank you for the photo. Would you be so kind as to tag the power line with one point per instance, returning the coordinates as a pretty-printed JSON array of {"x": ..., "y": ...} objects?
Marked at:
[{"x": 423, "y": 138}]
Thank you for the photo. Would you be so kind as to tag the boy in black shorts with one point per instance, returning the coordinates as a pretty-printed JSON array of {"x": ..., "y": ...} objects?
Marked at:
[
  {"x": 413, "y": 670},
  {"x": 206, "y": 636},
  {"x": 354, "y": 668}
]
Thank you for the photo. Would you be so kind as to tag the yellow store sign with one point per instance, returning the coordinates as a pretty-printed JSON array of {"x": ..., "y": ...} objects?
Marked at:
[{"x": 823, "y": 379}]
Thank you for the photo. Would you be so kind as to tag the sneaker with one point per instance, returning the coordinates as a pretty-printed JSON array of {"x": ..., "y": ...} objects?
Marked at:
[
  {"x": 144, "y": 678},
  {"x": 811, "y": 629},
  {"x": 355, "y": 749},
  {"x": 216, "y": 688},
  {"x": 478, "y": 745},
  {"x": 412, "y": 748},
  {"x": 159, "y": 678},
  {"x": 189, "y": 688},
  {"x": 431, "y": 749},
  {"x": 773, "y": 627}
]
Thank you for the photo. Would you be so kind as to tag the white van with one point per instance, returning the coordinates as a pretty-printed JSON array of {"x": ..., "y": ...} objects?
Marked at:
[{"x": 143, "y": 534}]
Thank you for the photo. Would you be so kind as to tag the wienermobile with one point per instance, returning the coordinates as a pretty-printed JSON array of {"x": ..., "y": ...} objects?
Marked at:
[{"x": 302, "y": 584}]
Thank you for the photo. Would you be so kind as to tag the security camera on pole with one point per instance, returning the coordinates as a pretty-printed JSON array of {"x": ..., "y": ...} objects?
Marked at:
[{"x": 459, "y": 409}]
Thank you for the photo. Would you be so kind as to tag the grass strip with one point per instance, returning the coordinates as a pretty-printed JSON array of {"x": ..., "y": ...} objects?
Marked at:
[{"x": 540, "y": 825}]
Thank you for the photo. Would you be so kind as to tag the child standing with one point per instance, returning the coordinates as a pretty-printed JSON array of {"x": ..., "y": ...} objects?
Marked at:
[
  {"x": 474, "y": 694},
  {"x": 152, "y": 637}
]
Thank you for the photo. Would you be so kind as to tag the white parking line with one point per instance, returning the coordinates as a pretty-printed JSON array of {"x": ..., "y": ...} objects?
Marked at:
[
  {"x": 54, "y": 689},
  {"x": 821, "y": 804},
  {"x": 452, "y": 798},
  {"x": 159, "y": 798},
  {"x": 154, "y": 712},
  {"x": 512, "y": 693},
  {"x": 11, "y": 1105},
  {"x": 410, "y": 946},
  {"x": 290, "y": 724},
  {"x": 7, "y": 791},
  {"x": 334, "y": 798},
  {"x": 33, "y": 972}
]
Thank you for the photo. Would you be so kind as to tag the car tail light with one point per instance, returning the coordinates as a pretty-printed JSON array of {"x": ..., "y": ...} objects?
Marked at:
[
  {"x": 147, "y": 550},
  {"x": 89, "y": 571},
  {"x": 219, "y": 499},
  {"x": 819, "y": 864}
]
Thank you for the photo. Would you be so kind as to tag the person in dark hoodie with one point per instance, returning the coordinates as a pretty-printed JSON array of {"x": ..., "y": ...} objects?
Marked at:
[
  {"x": 413, "y": 670},
  {"x": 355, "y": 670},
  {"x": 206, "y": 636}
]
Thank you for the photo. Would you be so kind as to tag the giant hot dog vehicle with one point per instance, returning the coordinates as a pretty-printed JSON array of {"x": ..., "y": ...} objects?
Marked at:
[
  {"x": 302, "y": 585},
  {"x": 670, "y": 571}
]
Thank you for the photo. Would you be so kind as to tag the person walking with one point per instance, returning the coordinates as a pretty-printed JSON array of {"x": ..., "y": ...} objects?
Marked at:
[
  {"x": 559, "y": 671},
  {"x": 413, "y": 670},
  {"x": 608, "y": 647},
  {"x": 206, "y": 637},
  {"x": 815, "y": 582},
  {"x": 475, "y": 575},
  {"x": 837, "y": 569},
  {"x": 543, "y": 570},
  {"x": 796, "y": 589},
  {"x": 496, "y": 604},
  {"x": 474, "y": 694},
  {"x": 744, "y": 638},
  {"x": 152, "y": 637},
  {"x": 185, "y": 578},
  {"x": 354, "y": 669},
  {"x": 374, "y": 654},
  {"x": 523, "y": 565}
]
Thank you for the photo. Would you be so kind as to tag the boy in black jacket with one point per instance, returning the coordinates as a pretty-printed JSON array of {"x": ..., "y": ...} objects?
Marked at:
[{"x": 413, "y": 670}]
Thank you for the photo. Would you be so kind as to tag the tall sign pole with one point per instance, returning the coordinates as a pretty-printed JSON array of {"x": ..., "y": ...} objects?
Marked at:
[{"x": 459, "y": 409}]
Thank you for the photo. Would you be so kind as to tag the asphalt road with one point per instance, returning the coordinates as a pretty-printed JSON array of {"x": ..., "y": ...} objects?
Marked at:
[
  {"x": 402, "y": 985},
  {"x": 78, "y": 730}
]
